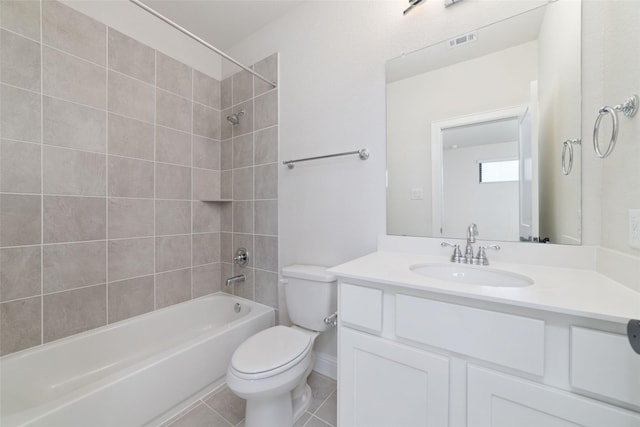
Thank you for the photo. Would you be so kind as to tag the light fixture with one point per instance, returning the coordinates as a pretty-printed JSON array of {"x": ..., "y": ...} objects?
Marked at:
[
  {"x": 412, "y": 4},
  {"x": 448, "y": 3}
]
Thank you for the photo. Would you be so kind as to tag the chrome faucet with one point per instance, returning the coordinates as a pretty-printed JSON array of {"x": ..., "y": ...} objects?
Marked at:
[
  {"x": 457, "y": 255},
  {"x": 472, "y": 233},
  {"x": 481, "y": 258},
  {"x": 233, "y": 280},
  {"x": 469, "y": 257}
]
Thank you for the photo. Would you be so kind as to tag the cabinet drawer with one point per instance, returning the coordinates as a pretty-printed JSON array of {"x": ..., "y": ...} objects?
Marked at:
[
  {"x": 513, "y": 341},
  {"x": 604, "y": 363},
  {"x": 360, "y": 306}
]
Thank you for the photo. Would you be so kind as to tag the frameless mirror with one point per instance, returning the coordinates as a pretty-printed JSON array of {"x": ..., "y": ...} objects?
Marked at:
[{"x": 476, "y": 127}]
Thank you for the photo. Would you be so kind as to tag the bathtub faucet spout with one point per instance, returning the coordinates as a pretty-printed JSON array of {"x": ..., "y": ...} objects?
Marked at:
[{"x": 233, "y": 280}]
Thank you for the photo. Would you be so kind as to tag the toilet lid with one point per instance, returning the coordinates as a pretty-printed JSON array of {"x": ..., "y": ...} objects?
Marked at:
[{"x": 270, "y": 349}]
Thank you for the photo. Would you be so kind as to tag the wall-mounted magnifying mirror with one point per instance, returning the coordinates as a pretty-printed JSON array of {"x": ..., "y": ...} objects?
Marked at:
[{"x": 475, "y": 127}]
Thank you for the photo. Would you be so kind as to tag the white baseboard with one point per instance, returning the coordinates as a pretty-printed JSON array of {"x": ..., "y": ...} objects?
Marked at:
[{"x": 326, "y": 365}]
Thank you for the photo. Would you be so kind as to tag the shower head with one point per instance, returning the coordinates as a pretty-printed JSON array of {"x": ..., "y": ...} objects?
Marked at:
[{"x": 234, "y": 119}]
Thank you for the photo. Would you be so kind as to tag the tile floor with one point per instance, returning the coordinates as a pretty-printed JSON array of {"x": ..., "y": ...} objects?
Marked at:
[{"x": 222, "y": 408}]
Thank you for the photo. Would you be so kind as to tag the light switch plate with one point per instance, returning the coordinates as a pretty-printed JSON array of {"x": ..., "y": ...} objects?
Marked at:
[
  {"x": 634, "y": 228},
  {"x": 417, "y": 194}
]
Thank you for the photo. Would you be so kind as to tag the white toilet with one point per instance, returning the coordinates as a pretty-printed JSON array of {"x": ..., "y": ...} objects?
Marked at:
[{"x": 270, "y": 369}]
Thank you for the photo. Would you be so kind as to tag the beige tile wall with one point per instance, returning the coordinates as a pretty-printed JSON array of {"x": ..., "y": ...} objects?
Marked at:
[{"x": 107, "y": 148}]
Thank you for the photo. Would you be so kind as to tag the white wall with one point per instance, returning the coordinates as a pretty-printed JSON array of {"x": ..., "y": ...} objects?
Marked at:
[
  {"x": 621, "y": 72},
  {"x": 610, "y": 70},
  {"x": 332, "y": 91},
  {"x": 413, "y": 104}
]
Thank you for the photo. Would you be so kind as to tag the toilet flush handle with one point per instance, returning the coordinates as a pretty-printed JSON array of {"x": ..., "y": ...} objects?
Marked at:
[{"x": 332, "y": 320}]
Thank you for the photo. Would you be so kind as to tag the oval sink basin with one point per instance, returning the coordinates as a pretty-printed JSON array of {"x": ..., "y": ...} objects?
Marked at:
[{"x": 472, "y": 275}]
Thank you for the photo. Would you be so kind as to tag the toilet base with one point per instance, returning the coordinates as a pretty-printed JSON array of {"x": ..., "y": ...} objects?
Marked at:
[
  {"x": 274, "y": 412},
  {"x": 302, "y": 401},
  {"x": 279, "y": 411}
]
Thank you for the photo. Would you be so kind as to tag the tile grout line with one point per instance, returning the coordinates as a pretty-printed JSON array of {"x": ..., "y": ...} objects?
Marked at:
[
  {"x": 111, "y": 197},
  {"x": 71, "y": 54},
  {"x": 41, "y": 180},
  {"x": 34, "y": 92},
  {"x": 117, "y": 113},
  {"x": 180, "y": 415},
  {"x": 58, "y": 98},
  {"x": 233, "y": 203},
  {"x": 120, "y": 156},
  {"x": 104, "y": 283},
  {"x": 185, "y": 411},
  {"x": 155, "y": 136},
  {"x": 314, "y": 413},
  {"x": 192, "y": 406},
  {"x": 106, "y": 160},
  {"x": 253, "y": 179},
  {"x": 8, "y": 30},
  {"x": 218, "y": 413},
  {"x": 323, "y": 402},
  {"x": 20, "y": 141},
  {"x": 317, "y": 418},
  {"x": 67, "y": 290},
  {"x": 192, "y": 191},
  {"x": 240, "y": 102},
  {"x": 244, "y": 134}
]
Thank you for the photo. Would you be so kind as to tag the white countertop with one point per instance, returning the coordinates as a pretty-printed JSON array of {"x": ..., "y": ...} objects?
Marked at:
[{"x": 570, "y": 291}]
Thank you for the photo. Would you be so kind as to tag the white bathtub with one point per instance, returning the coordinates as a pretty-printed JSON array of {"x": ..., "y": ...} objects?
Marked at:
[{"x": 130, "y": 373}]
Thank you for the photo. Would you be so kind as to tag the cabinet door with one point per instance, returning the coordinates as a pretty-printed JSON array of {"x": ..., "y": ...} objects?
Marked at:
[
  {"x": 383, "y": 384},
  {"x": 499, "y": 400}
]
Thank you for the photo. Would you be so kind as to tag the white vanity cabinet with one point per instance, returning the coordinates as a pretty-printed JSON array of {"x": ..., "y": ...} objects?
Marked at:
[
  {"x": 500, "y": 400},
  {"x": 408, "y": 358},
  {"x": 386, "y": 384}
]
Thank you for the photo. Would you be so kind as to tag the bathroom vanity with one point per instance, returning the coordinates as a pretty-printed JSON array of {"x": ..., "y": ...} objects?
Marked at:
[{"x": 423, "y": 351}]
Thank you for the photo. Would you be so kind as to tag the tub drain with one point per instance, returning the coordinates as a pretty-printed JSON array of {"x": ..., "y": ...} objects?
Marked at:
[{"x": 237, "y": 307}]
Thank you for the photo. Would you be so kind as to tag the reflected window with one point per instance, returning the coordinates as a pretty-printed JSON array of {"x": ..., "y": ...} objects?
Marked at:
[{"x": 498, "y": 171}]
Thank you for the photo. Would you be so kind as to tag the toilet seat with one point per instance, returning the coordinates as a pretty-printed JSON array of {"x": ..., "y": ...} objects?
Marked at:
[{"x": 270, "y": 352}]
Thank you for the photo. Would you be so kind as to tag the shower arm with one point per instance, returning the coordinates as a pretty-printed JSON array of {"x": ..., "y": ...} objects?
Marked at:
[{"x": 199, "y": 40}]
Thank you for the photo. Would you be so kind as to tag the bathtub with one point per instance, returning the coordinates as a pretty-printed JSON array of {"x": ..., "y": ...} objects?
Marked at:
[{"x": 132, "y": 373}]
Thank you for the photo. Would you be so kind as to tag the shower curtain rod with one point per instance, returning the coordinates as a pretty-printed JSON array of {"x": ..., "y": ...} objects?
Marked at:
[{"x": 199, "y": 40}]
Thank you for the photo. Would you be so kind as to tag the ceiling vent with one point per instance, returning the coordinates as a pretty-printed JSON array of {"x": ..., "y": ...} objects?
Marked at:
[{"x": 463, "y": 39}]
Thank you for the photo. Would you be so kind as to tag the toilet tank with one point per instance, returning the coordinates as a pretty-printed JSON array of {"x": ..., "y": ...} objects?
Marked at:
[{"x": 311, "y": 295}]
